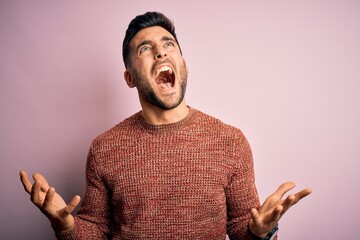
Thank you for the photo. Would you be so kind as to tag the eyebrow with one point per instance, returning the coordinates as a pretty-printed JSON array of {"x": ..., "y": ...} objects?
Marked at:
[
  {"x": 145, "y": 42},
  {"x": 166, "y": 38}
]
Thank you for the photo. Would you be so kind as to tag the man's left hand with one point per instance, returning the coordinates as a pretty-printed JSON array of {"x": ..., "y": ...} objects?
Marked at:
[{"x": 274, "y": 207}]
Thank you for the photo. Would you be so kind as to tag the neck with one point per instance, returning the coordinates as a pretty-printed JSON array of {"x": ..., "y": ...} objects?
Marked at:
[{"x": 157, "y": 116}]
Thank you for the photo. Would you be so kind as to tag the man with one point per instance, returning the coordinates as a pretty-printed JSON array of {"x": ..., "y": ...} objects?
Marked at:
[{"x": 169, "y": 171}]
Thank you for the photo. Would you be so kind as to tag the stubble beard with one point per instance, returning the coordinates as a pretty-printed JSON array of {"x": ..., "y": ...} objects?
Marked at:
[{"x": 146, "y": 91}]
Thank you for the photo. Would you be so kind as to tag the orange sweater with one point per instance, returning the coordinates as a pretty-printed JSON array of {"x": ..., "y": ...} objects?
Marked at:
[{"x": 193, "y": 179}]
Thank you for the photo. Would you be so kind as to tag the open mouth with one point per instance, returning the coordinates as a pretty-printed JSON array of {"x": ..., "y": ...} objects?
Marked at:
[{"x": 165, "y": 77}]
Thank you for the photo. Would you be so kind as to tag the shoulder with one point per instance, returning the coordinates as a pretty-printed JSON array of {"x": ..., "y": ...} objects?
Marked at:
[
  {"x": 215, "y": 125},
  {"x": 231, "y": 139},
  {"x": 125, "y": 128},
  {"x": 228, "y": 138}
]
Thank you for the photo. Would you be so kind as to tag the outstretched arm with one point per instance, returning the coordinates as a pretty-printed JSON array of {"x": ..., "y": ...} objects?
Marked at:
[
  {"x": 274, "y": 207},
  {"x": 50, "y": 203}
]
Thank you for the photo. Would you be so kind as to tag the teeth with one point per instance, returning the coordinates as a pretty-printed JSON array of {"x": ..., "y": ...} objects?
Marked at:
[{"x": 164, "y": 69}]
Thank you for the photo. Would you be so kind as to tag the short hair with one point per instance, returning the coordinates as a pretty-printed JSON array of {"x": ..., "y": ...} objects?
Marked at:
[{"x": 149, "y": 19}]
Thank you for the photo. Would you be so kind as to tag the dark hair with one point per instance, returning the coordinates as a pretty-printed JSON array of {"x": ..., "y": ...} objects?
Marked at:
[{"x": 149, "y": 19}]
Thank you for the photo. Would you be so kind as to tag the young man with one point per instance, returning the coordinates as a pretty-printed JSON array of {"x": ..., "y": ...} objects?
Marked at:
[{"x": 169, "y": 171}]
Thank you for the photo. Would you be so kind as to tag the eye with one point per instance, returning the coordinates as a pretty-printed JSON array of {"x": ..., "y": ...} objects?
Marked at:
[
  {"x": 144, "y": 48},
  {"x": 169, "y": 44}
]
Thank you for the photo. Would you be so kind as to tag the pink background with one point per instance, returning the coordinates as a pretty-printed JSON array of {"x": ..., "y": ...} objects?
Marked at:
[{"x": 286, "y": 72}]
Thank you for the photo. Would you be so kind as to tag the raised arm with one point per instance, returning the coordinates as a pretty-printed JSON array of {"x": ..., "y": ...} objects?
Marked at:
[{"x": 50, "y": 203}]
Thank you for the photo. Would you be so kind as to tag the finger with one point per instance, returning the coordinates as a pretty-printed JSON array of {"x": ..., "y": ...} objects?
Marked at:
[
  {"x": 284, "y": 188},
  {"x": 300, "y": 195},
  {"x": 275, "y": 215},
  {"x": 255, "y": 215},
  {"x": 35, "y": 194},
  {"x": 71, "y": 206},
  {"x": 44, "y": 184},
  {"x": 25, "y": 181},
  {"x": 288, "y": 202},
  {"x": 275, "y": 198},
  {"x": 48, "y": 199}
]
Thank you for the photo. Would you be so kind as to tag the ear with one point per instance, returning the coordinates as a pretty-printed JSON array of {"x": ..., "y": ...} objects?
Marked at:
[
  {"x": 129, "y": 80},
  {"x": 187, "y": 70}
]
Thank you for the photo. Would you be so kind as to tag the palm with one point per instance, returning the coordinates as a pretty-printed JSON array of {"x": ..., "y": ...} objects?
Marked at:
[
  {"x": 274, "y": 207},
  {"x": 49, "y": 202},
  {"x": 58, "y": 203}
]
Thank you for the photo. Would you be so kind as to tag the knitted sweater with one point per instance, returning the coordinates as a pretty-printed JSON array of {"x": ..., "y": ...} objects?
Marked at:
[{"x": 192, "y": 179}]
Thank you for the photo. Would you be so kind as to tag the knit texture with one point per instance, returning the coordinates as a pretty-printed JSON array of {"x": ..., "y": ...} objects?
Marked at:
[{"x": 193, "y": 179}]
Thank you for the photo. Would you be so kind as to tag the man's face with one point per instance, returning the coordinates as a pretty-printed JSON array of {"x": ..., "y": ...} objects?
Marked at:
[{"x": 157, "y": 68}]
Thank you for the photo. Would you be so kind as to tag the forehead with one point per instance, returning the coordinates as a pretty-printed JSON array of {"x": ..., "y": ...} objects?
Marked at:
[{"x": 155, "y": 33}]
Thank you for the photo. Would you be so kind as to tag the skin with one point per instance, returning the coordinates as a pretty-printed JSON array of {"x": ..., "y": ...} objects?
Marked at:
[
  {"x": 50, "y": 203},
  {"x": 274, "y": 207},
  {"x": 152, "y": 48}
]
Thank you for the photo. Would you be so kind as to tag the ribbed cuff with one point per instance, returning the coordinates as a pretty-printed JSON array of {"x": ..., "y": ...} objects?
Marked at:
[{"x": 70, "y": 235}]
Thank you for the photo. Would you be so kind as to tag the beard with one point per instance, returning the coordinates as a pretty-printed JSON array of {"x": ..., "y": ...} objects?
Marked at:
[{"x": 146, "y": 91}]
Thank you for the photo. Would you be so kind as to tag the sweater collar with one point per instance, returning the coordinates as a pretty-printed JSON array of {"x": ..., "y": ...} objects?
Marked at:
[{"x": 163, "y": 128}]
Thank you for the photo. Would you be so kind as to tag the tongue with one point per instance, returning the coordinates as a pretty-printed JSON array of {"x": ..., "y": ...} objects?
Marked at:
[
  {"x": 164, "y": 80},
  {"x": 165, "y": 85}
]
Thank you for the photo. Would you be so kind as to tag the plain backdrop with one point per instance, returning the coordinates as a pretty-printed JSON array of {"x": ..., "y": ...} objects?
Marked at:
[{"x": 287, "y": 73}]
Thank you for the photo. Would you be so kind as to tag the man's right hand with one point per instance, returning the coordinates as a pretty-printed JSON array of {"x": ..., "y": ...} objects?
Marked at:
[{"x": 49, "y": 202}]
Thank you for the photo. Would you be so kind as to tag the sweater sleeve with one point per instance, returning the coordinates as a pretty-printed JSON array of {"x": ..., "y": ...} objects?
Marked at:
[
  {"x": 241, "y": 193},
  {"x": 93, "y": 219}
]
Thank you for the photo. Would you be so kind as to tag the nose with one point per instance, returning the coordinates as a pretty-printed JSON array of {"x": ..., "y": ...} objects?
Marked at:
[{"x": 160, "y": 53}]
